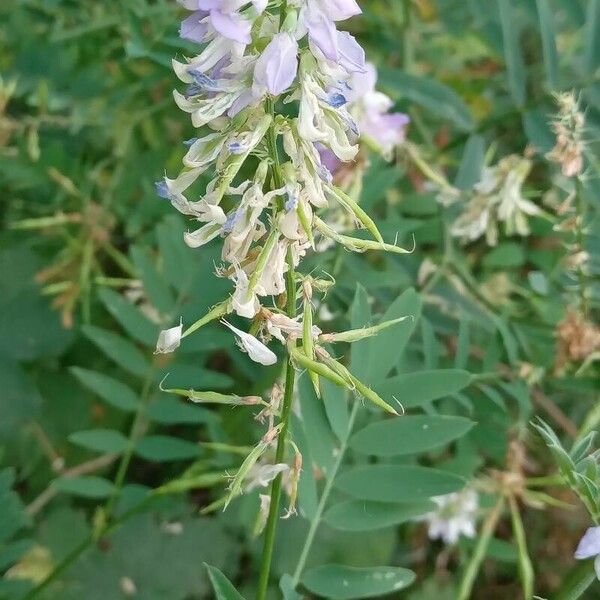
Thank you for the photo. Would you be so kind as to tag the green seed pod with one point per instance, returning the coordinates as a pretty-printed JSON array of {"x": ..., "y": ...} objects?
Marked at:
[
  {"x": 352, "y": 206},
  {"x": 216, "y": 312},
  {"x": 360, "y": 334}
]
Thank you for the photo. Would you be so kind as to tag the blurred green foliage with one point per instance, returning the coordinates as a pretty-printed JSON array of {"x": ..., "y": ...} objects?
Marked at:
[{"x": 92, "y": 266}]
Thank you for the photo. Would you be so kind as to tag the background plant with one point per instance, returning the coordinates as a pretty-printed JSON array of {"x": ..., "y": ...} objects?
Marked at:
[{"x": 83, "y": 139}]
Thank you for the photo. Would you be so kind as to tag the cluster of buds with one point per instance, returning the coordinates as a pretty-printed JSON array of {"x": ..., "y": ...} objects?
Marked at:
[
  {"x": 568, "y": 125},
  {"x": 497, "y": 198},
  {"x": 282, "y": 98}
]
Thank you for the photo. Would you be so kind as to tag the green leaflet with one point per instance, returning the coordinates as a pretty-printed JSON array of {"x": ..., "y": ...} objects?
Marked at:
[{"x": 339, "y": 582}]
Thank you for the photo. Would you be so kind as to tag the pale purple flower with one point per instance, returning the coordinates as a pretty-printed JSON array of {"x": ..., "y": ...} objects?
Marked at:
[
  {"x": 337, "y": 46},
  {"x": 222, "y": 16},
  {"x": 337, "y": 10},
  {"x": 589, "y": 547},
  {"x": 277, "y": 66},
  {"x": 371, "y": 110}
]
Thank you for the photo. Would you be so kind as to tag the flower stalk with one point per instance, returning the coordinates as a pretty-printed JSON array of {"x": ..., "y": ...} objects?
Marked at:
[{"x": 252, "y": 57}]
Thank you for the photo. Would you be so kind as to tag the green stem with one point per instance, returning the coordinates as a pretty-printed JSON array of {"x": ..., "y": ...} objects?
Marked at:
[
  {"x": 468, "y": 579},
  {"x": 290, "y": 376},
  {"x": 324, "y": 497},
  {"x": 132, "y": 441},
  {"x": 580, "y": 245},
  {"x": 288, "y": 396},
  {"x": 407, "y": 54}
]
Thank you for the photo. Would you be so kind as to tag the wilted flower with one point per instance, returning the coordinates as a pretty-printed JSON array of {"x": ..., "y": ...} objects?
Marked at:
[
  {"x": 455, "y": 516},
  {"x": 577, "y": 339},
  {"x": 261, "y": 475},
  {"x": 568, "y": 126},
  {"x": 497, "y": 198},
  {"x": 589, "y": 547}
]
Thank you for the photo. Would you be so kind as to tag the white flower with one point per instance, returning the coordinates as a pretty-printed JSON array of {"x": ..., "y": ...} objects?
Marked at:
[
  {"x": 261, "y": 475},
  {"x": 455, "y": 516},
  {"x": 169, "y": 339},
  {"x": 244, "y": 304},
  {"x": 256, "y": 350},
  {"x": 497, "y": 198},
  {"x": 589, "y": 546}
]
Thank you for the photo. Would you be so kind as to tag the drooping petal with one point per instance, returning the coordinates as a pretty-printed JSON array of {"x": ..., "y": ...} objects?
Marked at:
[
  {"x": 351, "y": 53},
  {"x": 277, "y": 66},
  {"x": 202, "y": 236},
  {"x": 256, "y": 350},
  {"x": 589, "y": 545},
  {"x": 169, "y": 339},
  {"x": 322, "y": 33}
]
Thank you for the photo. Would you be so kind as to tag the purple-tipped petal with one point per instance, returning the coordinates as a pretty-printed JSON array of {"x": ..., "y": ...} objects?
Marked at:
[
  {"x": 589, "y": 545},
  {"x": 192, "y": 28},
  {"x": 277, "y": 66},
  {"x": 231, "y": 26}
]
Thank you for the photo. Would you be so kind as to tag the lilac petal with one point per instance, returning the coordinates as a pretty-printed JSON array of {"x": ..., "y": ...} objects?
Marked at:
[
  {"x": 339, "y": 10},
  {"x": 589, "y": 545},
  {"x": 192, "y": 29},
  {"x": 328, "y": 159},
  {"x": 277, "y": 66},
  {"x": 352, "y": 56},
  {"x": 231, "y": 26},
  {"x": 209, "y": 4},
  {"x": 322, "y": 33},
  {"x": 241, "y": 102}
]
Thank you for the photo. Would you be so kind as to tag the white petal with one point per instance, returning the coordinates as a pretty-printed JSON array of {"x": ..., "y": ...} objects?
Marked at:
[
  {"x": 256, "y": 350},
  {"x": 169, "y": 339},
  {"x": 201, "y": 236}
]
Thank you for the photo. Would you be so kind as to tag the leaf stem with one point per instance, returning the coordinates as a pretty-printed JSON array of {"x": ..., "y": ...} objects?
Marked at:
[
  {"x": 324, "y": 497},
  {"x": 470, "y": 574}
]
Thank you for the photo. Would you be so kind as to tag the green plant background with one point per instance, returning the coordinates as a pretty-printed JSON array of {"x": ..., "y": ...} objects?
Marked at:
[{"x": 89, "y": 127}]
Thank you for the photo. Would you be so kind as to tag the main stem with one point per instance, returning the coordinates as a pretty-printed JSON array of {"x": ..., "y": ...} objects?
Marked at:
[{"x": 290, "y": 378}]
